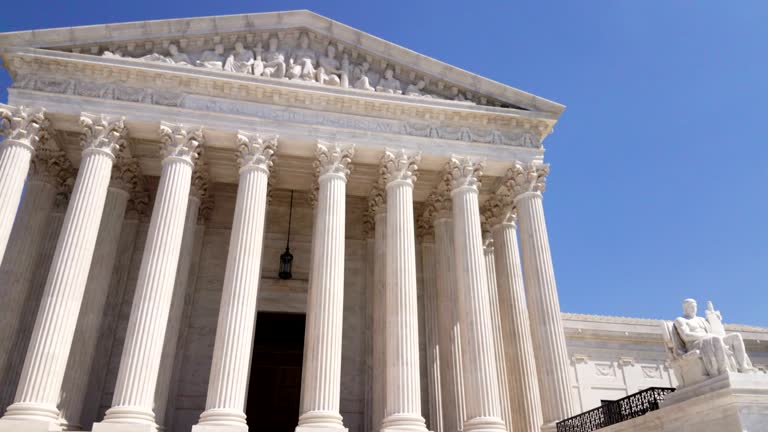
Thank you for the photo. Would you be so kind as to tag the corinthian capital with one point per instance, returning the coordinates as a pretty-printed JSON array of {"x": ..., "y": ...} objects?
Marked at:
[
  {"x": 201, "y": 180},
  {"x": 255, "y": 151},
  {"x": 126, "y": 174},
  {"x": 102, "y": 133},
  {"x": 498, "y": 210},
  {"x": 180, "y": 141},
  {"x": 461, "y": 171},
  {"x": 333, "y": 158},
  {"x": 22, "y": 126},
  {"x": 400, "y": 165},
  {"x": 524, "y": 178}
]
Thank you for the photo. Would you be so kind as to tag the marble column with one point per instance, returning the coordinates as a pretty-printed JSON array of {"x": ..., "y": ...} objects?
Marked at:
[
  {"x": 449, "y": 334},
  {"x": 125, "y": 174},
  {"x": 133, "y": 400},
  {"x": 369, "y": 227},
  {"x": 377, "y": 205},
  {"x": 403, "y": 386},
  {"x": 526, "y": 183},
  {"x": 49, "y": 170},
  {"x": 199, "y": 190},
  {"x": 428, "y": 270},
  {"x": 321, "y": 372},
  {"x": 499, "y": 344},
  {"x": 41, "y": 378},
  {"x": 227, "y": 385},
  {"x": 481, "y": 385},
  {"x": 516, "y": 329},
  {"x": 21, "y": 129}
]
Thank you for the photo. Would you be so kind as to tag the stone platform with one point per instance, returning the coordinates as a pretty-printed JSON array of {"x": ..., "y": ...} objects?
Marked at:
[{"x": 726, "y": 403}]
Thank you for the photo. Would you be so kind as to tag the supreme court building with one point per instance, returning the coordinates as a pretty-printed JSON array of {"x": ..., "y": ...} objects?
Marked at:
[{"x": 165, "y": 183}]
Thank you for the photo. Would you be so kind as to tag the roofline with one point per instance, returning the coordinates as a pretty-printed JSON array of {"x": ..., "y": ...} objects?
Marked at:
[{"x": 180, "y": 27}]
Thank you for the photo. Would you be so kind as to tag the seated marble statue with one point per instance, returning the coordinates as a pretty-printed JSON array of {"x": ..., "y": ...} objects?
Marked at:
[
  {"x": 389, "y": 84},
  {"x": 240, "y": 60},
  {"x": 301, "y": 65},
  {"x": 328, "y": 68},
  {"x": 416, "y": 89},
  {"x": 274, "y": 60},
  {"x": 719, "y": 352},
  {"x": 212, "y": 59},
  {"x": 361, "y": 79}
]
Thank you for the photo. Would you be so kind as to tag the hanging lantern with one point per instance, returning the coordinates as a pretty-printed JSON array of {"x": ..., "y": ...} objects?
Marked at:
[{"x": 286, "y": 259}]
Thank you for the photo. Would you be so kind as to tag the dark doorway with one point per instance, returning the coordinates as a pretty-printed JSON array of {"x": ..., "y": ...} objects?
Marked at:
[{"x": 275, "y": 385}]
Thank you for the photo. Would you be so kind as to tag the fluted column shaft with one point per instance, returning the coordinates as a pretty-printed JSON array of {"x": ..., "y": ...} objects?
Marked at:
[
  {"x": 18, "y": 267},
  {"x": 21, "y": 129},
  {"x": 516, "y": 330},
  {"x": 14, "y": 164},
  {"x": 325, "y": 302},
  {"x": 449, "y": 334},
  {"x": 379, "y": 361},
  {"x": 173, "y": 330},
  {"x": 499, "y": 344},
  {"x": 133, "y": 399},
  {"x": 92, "y": 309},
  {"x": 480, "y": 372},
  {"x": 544, "y": 309},
  {"x": 403, "y": 408},
  {"x": 41, "y": 378},
  {"x": 227, "y": 385},
  {"x": 432, "y": 341}
]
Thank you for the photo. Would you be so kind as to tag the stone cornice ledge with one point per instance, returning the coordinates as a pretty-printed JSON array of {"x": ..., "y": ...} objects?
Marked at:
[{"x": 187, "y": 27}]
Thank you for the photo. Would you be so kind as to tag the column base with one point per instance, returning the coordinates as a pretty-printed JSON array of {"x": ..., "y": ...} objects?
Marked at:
[
  {"x": 484, "y": 424},
  {"x": 403, "y": 423},
  {"x": 124, "y": 427},
  {"x": 221, "y": 420},
  {"x": 28, "y": 426},
  {"x": 218, "y": 428},
  {"x": 549, "y": 427},
  {"x": 32, "y": 417},
  {"x": 127, "y": 419},
  {"x": 320, "y": 421}
]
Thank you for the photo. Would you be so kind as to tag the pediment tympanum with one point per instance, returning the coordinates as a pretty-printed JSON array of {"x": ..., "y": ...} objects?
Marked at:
[{"x": 296, "y": 59}]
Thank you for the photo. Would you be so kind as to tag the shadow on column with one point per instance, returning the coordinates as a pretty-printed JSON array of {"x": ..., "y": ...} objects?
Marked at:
[{"x": 274, "y": 388}]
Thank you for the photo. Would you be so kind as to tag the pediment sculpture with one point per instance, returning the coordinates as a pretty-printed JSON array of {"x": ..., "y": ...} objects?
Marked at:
[
  {"x": 699, "y": 347},
  {"x": 330, "y": 66}
]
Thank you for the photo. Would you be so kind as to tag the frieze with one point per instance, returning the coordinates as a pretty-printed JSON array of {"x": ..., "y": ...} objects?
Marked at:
[
  {"x": 100, "y": 90},
  {"x": 414, "y": 120}
]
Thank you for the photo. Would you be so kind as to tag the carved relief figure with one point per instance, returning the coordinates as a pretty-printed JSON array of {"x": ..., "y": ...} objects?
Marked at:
[
  {"x": 178, "y": 57},
  {"x": 328, "y": 69},
  {"x": 258, "y": 63},
  {"x": 301, "y": 65},
  {"x": 240, "y": 60},
  {"x": 389, "y": 84},
  {"x": 362, "y": 80},
  {"x": 274, "y": 60},
  {"x": 719, "y": 352},
  {"x": 345, "y": 70},
  {"x": 212, "y": 59},
  {"x": 416, "y": 89}
]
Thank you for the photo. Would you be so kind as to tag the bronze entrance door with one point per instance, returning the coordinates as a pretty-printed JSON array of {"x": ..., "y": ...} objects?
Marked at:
[{"x": 275, "y": 383}]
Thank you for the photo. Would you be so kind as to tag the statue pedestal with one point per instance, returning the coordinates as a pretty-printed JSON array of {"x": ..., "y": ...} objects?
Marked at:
[{"x": 731, "y": 402}]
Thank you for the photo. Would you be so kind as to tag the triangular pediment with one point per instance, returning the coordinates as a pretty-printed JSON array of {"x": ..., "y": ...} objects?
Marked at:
[{"x": 291, "y": 46}]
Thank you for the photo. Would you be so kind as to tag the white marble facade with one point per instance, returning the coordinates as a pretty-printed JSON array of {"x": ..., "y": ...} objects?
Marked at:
[{"x": 153, "y": 164}]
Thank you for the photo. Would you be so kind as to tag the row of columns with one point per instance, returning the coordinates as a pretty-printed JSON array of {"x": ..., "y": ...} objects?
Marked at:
[
  {"x": 488, "y": 330},
  {"x": 466, "y": 363}
]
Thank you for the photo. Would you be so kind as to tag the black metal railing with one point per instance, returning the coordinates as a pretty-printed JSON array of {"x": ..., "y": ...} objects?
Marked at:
[{"x": 624, "y": 409}]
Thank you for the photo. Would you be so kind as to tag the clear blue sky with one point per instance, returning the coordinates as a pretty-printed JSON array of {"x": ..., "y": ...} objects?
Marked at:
[{"x": 659, "y": 164}]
